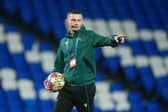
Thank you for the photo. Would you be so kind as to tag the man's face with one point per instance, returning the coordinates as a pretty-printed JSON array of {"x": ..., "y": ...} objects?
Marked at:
[{"x": 74, "y": 21}]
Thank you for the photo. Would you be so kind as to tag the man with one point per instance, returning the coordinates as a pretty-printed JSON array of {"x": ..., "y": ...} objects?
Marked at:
[{"x": 76, "y": 60}]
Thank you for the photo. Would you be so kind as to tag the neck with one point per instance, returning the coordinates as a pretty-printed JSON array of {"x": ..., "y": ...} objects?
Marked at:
[{"x": 71, "y": 33}]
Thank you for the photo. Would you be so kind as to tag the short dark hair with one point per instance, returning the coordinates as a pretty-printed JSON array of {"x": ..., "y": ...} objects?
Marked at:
[{"x": 74, "y": 11}]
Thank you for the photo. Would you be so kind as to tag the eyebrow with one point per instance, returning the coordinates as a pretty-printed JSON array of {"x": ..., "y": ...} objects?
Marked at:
[{"x": 76, "y": 19}]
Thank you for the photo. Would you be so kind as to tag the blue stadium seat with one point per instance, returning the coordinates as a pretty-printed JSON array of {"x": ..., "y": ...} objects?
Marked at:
[
  {"x": 95, "y": 10},
  {"x": 100, "y": 76},
  {"x": 164, "y": 53},
  {"x": 150, "y": 12},
  {"x": 134, "y": 97},
  {"x": 5, "y": 58},
  {"x": 109, "y": 10},
  {"x": 56, "y": 22},
  {"x": 19, "y": 62},
  {"x": 137, "y": 47},
  {"x": 150, "y": 48},
  {"x": 42, "y": 16},
  {"x": 35, "y": 67},
  {"x": 3, "y": 109},
  {"x": 2, "y": 98},
  {"x": 15, "y": 106},
  {"x": 122, "y": 9},
  {"x": 138, "y": 108},
  {"x": 130, "y": 73},
  {"x": 153, "y": 106},
  {"x": 138, "y": 14},
  {"x": 161, "y": 9},
  {"x": 147, "y": 79},
  {"x": 65, "y": 7},
  {"x": 38, "y": 78},
  {"x": 99, "y": 54},
  {"x": 26, "y": 12},
  {"x": 162, "y": 89},
  {"x": 83, "y": 8},
  {"x": 112, "y": 63},
  {"x": 28, "y": 40},
  {"x": 116, "y": 87},
  {"x": 31, "y": 109},
  {"x": 16, "y": 110},
  {"x": 10, "y": 28},
  {"x": 13, "y": 100},
  {"x": 10, "y": 6},
  {"x": 23, "y": 75},
  {"x": 44, "y": 46},
  {"x": 3, "y": 48},
  {"x": 96, "y": 109},
  {"x": 59, "y": 31},
  {"x": 46, "y": 105},
  {"x": 30, "y": 105}
]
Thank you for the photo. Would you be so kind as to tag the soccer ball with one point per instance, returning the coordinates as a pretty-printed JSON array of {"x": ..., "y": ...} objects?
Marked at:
[{"x": 55, "y": 81}]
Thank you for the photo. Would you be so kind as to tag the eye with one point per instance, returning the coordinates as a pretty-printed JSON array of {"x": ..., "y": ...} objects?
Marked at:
[
  {"x": 73, "y": 20},
  {"x": 79, "y": 20}
]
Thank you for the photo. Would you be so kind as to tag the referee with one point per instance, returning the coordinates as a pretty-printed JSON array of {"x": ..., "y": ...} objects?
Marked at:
[{"x": 76, "y": 60}]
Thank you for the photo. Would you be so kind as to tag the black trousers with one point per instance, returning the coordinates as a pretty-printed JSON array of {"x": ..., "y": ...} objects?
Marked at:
[{"x": 82, "y": 97}]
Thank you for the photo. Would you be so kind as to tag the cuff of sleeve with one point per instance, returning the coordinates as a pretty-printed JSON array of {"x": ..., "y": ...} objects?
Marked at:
[{"x": 114, "y": 43}]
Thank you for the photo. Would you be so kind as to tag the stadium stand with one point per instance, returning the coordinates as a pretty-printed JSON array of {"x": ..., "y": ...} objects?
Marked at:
[{"x": 130, "y": 78}]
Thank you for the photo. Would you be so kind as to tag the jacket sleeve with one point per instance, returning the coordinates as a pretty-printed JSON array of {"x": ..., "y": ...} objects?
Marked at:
[
  {"x": 100, "y": 41},
  {"x": 59, "y": 61}
]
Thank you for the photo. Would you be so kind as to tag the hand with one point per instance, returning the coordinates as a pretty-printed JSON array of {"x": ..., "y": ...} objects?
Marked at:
[
  {"x": 120, "y": 38},
  {"x": 45, "y": 85}
]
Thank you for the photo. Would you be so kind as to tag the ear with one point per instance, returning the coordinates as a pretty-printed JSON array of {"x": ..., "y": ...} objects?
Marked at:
[
  {"x": 82, "y": 21},
  {"x": 66, "y": 22}
]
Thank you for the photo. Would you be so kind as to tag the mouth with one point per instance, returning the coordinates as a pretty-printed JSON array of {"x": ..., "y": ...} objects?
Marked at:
[{"x": 74, "y": 26}]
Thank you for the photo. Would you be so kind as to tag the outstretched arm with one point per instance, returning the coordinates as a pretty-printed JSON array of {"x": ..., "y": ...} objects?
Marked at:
[{"x": 100, "y": 41}]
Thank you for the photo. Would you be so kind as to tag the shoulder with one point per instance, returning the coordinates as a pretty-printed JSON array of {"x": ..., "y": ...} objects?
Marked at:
[
  {"x": 88, "y": 32},
  {"x": 62, "y": 41}
]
